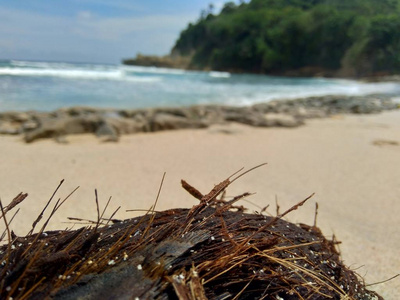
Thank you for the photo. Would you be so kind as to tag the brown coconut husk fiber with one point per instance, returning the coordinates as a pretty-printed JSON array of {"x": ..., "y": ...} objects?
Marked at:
[{"x": 212, "y": 251}]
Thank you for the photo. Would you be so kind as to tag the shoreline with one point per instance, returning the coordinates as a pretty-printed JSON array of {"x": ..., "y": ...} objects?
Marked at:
[
  {"x": 110, "y": 124},
  {"x": 178, "y": 62}
]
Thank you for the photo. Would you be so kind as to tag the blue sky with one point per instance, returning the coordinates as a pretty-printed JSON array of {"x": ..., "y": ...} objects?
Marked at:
[{"x": 93, "y": 30}]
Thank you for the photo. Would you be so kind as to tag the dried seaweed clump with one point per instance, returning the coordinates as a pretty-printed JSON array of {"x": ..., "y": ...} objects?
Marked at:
[{"x": 212, "y": 251}]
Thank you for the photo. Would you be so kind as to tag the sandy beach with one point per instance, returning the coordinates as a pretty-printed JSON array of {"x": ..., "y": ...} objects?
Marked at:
[{"x": 351, "y": 162}]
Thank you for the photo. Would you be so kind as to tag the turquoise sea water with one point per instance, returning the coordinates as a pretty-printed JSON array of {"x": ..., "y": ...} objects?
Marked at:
[{"x": 33, "y": 85}]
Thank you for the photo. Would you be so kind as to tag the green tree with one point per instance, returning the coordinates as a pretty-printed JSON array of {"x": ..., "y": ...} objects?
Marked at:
[
  {"x": 379, "y": 49},
  {"x": 275, "y": 36}
]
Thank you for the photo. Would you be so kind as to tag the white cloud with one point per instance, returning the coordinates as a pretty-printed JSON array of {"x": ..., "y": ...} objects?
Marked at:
[
  {"x": 218, "y": 5},
  {"x": 117, "y": 28},
  {"x": 84, "y": 15},
  {"x": 86, "y": 35},
  {"x": 133, "y": 6}
]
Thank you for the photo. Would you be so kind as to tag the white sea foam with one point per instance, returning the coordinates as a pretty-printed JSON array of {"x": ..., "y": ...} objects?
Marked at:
[
  {"x": 154, "y": 70},
  {"x": 217, "y": 74},
  {"x": 279, "y": 92},
  {"x": 77, "y": 74},
  {"x": 121, "y": 86},
  {"x": 37, "y": 64}
]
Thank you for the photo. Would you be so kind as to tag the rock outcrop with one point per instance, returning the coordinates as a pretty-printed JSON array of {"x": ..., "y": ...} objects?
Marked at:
[{"x": 110, "y": 124}]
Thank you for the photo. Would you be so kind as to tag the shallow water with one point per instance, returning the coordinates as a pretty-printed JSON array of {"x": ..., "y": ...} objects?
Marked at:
[{"x": 33, "y": 85}]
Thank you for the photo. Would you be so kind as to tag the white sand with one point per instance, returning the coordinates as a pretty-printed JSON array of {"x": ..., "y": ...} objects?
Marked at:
[{"x": 357, "y": 183}]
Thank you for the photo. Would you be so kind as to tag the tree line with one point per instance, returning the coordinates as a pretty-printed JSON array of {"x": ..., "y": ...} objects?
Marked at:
[{"x": 351, "y": 38}]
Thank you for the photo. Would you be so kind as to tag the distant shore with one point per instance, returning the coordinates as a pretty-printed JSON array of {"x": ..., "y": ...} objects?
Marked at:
[{"x": 183, "y": 62}]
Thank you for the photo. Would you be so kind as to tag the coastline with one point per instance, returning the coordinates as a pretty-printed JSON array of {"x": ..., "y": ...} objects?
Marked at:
[
  {"x": 349, "y": 161},
  {"x": 110, "y": 124},
  {"x": 179, "y": 62}
]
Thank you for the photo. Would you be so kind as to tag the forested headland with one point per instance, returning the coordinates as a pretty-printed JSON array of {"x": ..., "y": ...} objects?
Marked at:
[{"x": 352, "y": 38}]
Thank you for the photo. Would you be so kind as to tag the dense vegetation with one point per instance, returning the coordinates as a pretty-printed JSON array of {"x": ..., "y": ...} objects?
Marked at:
[{"x": 331, "y": 37}]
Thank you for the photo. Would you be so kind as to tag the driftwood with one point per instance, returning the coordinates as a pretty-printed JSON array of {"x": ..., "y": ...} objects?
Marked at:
[{"x": 212, "y": 251}]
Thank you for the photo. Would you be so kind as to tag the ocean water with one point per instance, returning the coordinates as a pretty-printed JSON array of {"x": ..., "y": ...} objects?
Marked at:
[{"x": 45, "y": 86}]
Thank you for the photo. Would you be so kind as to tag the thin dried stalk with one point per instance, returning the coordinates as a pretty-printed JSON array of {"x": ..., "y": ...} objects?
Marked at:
[
  {"x": 16, "y": 201},
  {"x": 40, "y": 216}
]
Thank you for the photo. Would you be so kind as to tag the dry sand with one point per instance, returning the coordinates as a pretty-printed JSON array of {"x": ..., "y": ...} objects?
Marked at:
[{"x": 352, "y": 163}]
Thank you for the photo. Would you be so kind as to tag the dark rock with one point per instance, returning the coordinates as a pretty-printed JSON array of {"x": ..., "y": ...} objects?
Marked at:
[
  {"x": 167, "y": 61},
  {"x": 128, "y": 126},
  {"x": 367, "y": 106},
  {"x": 310, "y": 113},
  {"x": 51, "y": 128},
  {"x": 286, "y": 113},
  {"x": 244, "y": 116},
  {"x": 256, "y": 117},
  {"x": 29, "y": 125},
  {"x": 267, "y": 107},
  {"x": 15, "y": 116},
  {"x": 132, "y": 113},
  {"x": 107, "y": 132},
  {"x": 327, "y": 105},
  {"x": 209, "y": 114},
  {"x": 174, "y": 111},
  {"x": 9, "y": 128},
  {"x": 165, "y": 121},
  {"x": 282, "y": 120},
  {"x": 78, "y": 111}
]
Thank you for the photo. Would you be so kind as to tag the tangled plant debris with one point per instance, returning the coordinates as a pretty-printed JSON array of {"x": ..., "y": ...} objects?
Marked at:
[{"x": 212, "y": 251}]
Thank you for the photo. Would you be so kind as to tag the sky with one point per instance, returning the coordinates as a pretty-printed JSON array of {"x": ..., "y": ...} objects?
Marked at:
[{"x": 102, "y": 31}]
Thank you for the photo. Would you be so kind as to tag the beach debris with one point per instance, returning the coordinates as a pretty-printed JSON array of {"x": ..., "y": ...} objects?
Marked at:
[
  {"x": 212, "y": 251},
  {"x": 385, "y": 143}
]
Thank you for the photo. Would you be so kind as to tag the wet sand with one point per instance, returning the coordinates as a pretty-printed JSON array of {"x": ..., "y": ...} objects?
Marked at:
[{"x": 352, "y": 163}]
